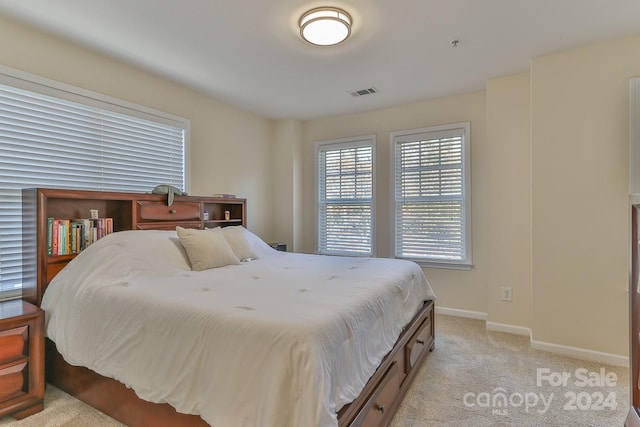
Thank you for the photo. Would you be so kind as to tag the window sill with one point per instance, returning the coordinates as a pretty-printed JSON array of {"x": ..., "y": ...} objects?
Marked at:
[
  {"x": 444, "y": 265},
  {"x": 345, "y": 254}
]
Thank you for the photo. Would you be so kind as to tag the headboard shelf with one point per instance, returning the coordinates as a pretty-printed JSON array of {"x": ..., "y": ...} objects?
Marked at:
[{"x": 129, "y": 211}]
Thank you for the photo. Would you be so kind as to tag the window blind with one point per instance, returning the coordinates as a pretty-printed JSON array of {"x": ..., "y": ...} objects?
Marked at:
[
  {"x": 46, "y": 141},
  {"x": 345, "y": 225},
  {"x": 430, "y": 169}
]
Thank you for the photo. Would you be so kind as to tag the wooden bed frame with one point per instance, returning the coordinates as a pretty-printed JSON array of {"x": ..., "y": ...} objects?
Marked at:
[{"x": 375, "y": 406}]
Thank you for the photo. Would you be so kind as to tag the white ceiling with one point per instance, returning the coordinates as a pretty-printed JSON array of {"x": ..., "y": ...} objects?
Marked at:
[{"x": 249, "y": 53}]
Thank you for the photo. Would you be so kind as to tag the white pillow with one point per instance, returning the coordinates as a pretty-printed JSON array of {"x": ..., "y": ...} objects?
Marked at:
[
  {"x": 206, "y": 248},
  {"x": 237, "y": 239},
  {"x": 156, "y": 250},
  {"x": 259, "y": 246}
]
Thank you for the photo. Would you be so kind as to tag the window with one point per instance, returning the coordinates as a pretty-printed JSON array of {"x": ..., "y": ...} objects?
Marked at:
[
  {"x": 432, "y": 195},
  {"x": 345, "y": 196},
  {"x": 54, "y": 135}
]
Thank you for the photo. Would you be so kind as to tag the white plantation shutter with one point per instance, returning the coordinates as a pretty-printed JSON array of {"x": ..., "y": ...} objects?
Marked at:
[
  {"x": 50, "y": 141},
  {"x": 345, "y": 197},
  {"x": 431, "y": 194}
]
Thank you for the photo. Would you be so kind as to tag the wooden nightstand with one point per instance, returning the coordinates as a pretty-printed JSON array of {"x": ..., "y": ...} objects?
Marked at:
[
  {"x": 21, "y": 359},
  {"x": 279, "y": 246}
]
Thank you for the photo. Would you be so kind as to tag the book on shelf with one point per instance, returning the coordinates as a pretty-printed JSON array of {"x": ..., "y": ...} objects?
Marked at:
[
  {"x": 225, "y": 196},
  {"x": 49, "y": 236},
  {"x": 72, "y": 236}
]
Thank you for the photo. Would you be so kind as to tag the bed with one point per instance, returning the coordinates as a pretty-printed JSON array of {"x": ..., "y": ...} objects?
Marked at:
[{"x": 267, "y": 338}]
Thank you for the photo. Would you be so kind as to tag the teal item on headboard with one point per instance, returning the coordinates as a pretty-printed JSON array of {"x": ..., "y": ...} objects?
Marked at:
[{"x": 169, "y": 190}]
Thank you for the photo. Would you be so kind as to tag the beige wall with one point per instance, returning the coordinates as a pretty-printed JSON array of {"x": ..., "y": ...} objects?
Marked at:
[
  {"x": 455, "y": 288},
  {"x": 509, "y": 182},
  {"x": 287, "y": 170},
  {"x": 580, "y": 117},
  {"x": 230, "y": 148}
]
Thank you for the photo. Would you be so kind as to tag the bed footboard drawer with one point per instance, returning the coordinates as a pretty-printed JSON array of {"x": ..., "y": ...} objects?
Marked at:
[
  {"x": 418, "y": 344},
  {"x": 381, "y": 404}
]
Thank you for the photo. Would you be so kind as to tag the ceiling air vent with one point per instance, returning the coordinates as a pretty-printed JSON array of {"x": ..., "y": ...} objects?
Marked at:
[{"x": 362, "y": 92}]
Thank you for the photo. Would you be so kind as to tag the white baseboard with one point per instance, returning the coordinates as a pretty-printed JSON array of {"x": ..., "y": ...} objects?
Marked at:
[
  {"x": 461, "y": 313},
  {"x": 575, "y": 352},
  {"x": 511, "y": 329},
  {"x": 581, "y": 353}
]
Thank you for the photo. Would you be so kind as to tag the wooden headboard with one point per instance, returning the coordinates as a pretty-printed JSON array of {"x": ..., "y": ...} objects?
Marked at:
[{"x": 128, "y": 211}]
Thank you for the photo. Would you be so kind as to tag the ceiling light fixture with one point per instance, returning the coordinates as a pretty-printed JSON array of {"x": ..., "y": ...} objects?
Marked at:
[{"x": 325, "y": 26}]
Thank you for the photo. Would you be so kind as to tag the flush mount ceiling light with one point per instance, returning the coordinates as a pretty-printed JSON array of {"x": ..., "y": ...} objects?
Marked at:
[{"x": 325, "y": 26}]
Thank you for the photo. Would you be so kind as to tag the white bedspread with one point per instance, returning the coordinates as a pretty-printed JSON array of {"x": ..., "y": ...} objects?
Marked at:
[{"x": 284, "y": 340}]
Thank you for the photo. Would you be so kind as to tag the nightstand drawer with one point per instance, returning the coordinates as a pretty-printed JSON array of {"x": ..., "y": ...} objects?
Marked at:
[
  {"x": 11, "y": 383},
  {"x": 21, "y": 359},
  {"x": 12, "y": 346}
]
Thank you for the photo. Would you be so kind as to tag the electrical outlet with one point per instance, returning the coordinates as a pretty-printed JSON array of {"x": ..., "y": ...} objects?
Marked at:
[{"x": 507, "y": 294}]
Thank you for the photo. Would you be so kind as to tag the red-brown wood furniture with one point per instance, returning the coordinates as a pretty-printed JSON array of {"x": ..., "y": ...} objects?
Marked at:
[
  {"x": 633, "y": 417},
  {"x": 376, "y": 404},
  {"x": 21, "y": 359}
]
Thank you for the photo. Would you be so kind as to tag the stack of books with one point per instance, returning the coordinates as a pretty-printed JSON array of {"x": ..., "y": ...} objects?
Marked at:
[{"x": 71, "y": 236}]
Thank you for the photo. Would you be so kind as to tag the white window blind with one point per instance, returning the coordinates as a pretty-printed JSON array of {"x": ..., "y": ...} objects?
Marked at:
[
  {"x": 345, "y": 197},
  {"x": 432, "y": 194},
  {"x": 49, "y": 141}
]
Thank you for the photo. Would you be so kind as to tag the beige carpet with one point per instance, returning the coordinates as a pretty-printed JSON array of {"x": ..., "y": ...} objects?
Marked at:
[{"x": 460, "y": 385}]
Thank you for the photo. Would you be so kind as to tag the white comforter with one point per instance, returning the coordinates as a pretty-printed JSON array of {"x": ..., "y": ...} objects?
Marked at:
[{"x": 284, "y": 340}]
